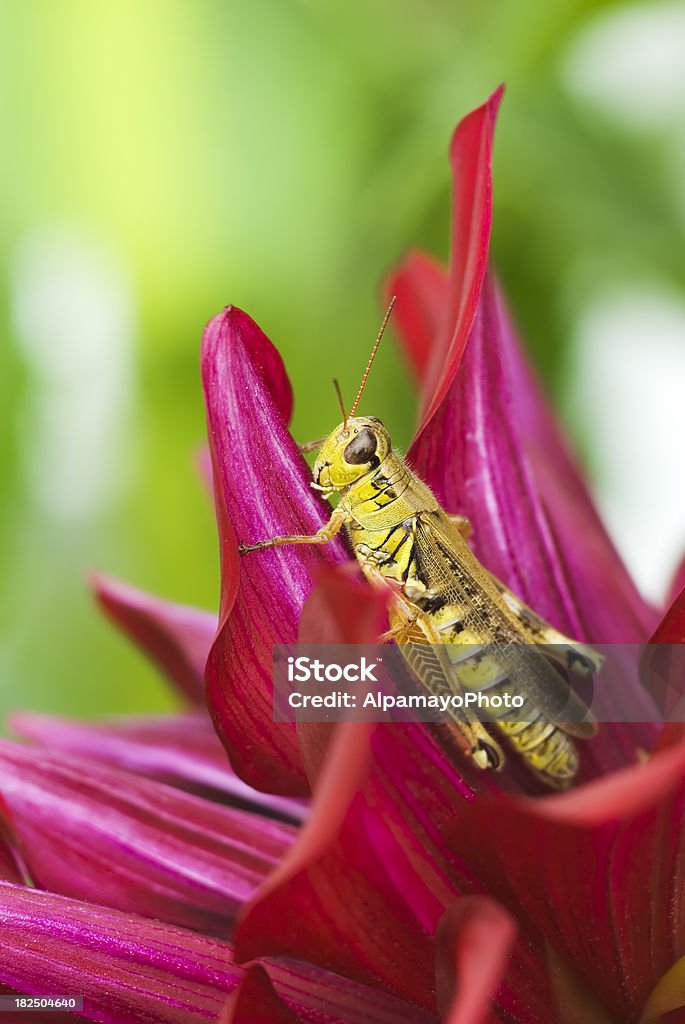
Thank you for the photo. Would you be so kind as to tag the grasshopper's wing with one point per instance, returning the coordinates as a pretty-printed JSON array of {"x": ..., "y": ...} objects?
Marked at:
[{"x": 450, "y": 569}]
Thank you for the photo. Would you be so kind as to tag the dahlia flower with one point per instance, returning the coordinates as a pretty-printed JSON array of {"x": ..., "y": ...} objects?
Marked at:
[{"x": 362, "y": 874}]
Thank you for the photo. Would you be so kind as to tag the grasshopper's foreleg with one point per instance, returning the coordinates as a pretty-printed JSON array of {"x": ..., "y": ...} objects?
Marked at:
[{"x": 321, "y": 536}]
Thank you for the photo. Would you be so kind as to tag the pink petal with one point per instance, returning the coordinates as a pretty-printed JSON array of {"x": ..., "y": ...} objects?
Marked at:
[
  {"x": 175, "y": 637},
  {"x": 130, "y": 970},
  {"x": 598, "y": 871},
  {"x": 421, "y": 287},
  {"x": 474, "y": 939},
  {"x": 13, "y": 866},
  {"x": 262, "y": 489},
  {"x": 182, "y": 750},
  {"x": 136, "y": 971},
  {"x": 135, "y": 844},
  {"x": 470, "y": 158}
]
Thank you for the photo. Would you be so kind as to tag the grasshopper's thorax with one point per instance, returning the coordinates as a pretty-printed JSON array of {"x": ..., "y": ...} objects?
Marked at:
[{"x": 388, "y": 496}]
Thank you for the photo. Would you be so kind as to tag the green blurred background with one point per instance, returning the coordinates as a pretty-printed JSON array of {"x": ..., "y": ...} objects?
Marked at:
[{"x": 164, "y": 158}]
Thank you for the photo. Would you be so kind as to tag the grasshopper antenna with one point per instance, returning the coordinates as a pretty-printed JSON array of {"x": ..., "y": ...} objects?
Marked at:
[
  {"x": 373, "y": 355},
  {"x": 336, "y": 385}
]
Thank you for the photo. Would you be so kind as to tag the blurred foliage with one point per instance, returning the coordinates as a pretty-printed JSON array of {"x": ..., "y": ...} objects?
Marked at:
[{"x": 279, "y": 156}]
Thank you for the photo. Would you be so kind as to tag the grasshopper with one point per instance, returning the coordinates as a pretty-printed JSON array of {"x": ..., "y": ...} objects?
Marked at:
[{"x": 457, "y": 626}]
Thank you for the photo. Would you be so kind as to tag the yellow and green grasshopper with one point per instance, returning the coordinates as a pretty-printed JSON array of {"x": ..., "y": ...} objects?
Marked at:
[{"x": 457, "y": 626}]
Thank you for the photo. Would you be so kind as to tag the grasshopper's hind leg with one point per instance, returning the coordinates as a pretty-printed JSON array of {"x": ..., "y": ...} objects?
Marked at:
[{"x": 426, "y": 656}]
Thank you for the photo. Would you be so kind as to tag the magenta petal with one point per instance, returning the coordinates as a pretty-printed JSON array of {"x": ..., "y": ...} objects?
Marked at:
[
  {"x": 135, "y": 844},
  {"x": 13, "y": 865},
  {"x": 182, "y": 750},
  {"x": 470, "y": 158},
  {"x": 420, "y": 286},
  {"x": 136, "y": 971},
  {"x": 130, "y": 970},
  {"x": 598, "y": 871},
  {"x": 473, "y": 941},
  {"x": 174, "y": 636},
  {"x": 262, "y": 489},
  {"x": 534, "y": 524}
]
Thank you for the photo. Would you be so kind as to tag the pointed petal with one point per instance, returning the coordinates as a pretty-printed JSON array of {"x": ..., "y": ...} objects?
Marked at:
[
  {"x": 256, "y": 999},
  {"x": 135, "y": 844},
  {"x": 597, "y": 870},
  {"x": 420, "y": 285},
  {"x": 671, "y": 629},
  {"x": 175, "y": 637},
  {"x": 534, "y": 524},
  {"x": 182, "y": 750},
  {"x": 262, "y": 490},
  {"x": 473, "y": 942},
  {"x": 470, "y": 158},
  {"x": 130, "y": 970}
]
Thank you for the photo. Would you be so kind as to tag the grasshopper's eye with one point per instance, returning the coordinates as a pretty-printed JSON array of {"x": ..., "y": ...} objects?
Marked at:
[{"x": 361, "y": 448}]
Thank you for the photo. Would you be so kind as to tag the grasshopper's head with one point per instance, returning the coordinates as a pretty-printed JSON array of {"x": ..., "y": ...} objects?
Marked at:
[{"x": 354, "y": 449}]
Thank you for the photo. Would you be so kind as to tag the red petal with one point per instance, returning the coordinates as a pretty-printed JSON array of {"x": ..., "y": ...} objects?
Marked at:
[
  {"x": 313, "y": 995},
  {"x": 474, "y": 940},
  {"x": 262, "y": 489},
  {"x": 182, "y": 750},
  {"x": 671, "y": 629},
  {"x": 257, "y": 1000},
  {"x": 421, "y": 287},
  {"x": 677, "y": 583},
  {"x": 597, "y": 870},
  {"x": 174, "y": 636},
  {"x": 470, "y": 157}
]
